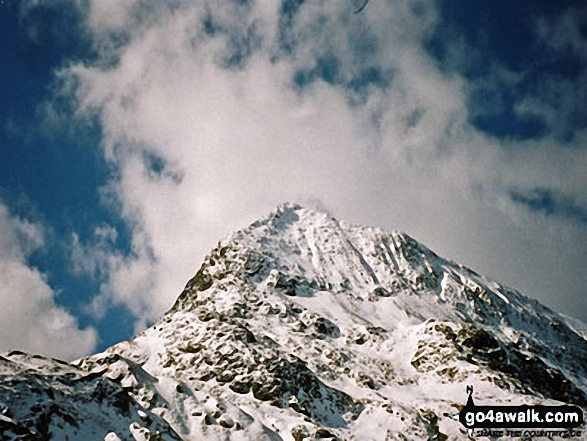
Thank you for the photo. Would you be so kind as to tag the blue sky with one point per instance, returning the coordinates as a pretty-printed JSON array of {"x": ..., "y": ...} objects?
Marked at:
[{"x": 134, "y": 135}]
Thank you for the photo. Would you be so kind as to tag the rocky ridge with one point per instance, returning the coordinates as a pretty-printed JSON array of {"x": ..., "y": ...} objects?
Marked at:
[{"x": 301, "y": 326}]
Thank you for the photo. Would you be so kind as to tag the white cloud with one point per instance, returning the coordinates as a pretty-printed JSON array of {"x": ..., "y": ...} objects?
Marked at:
[
  {"x": 124, "y": 279},
  {"x": 29, "y": 318},
  {"x": 238, "y": 139}
]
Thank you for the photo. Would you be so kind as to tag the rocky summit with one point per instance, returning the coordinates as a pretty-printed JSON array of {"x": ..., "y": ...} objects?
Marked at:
[{"x": 303, "y": 327}]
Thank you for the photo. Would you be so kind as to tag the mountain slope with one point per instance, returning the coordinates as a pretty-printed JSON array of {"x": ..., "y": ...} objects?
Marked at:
[
  {"x": 42, "y": 398},
  {"x": 301, "y": 326}
]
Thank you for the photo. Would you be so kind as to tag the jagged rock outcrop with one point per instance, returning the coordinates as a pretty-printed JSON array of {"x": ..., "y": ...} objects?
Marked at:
[{"x": 304, "y": 327}]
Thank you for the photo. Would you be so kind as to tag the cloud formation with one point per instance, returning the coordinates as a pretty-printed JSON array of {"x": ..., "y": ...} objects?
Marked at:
[
  {"x": 214, "y": 112},
  {"x": 29, "y": 318}
]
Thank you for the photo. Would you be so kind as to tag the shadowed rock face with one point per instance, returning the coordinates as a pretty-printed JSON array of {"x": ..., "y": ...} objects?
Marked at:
[
  {"x": 40, "y": 396},
  {"x": 301, "y": 326},
  {"x": 535, "y": 376},
  {"x": 523, "y": 371}
]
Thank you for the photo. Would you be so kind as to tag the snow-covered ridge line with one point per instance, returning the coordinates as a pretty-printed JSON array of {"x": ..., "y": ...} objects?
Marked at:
[{"x": 301, "y": 326}]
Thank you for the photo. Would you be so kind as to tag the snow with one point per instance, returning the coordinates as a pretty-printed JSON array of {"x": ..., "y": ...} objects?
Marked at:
[{"x": 355, "y": 331}]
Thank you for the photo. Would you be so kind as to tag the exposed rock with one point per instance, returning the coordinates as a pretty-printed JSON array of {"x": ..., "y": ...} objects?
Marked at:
[{"x": 306, "y": 326}]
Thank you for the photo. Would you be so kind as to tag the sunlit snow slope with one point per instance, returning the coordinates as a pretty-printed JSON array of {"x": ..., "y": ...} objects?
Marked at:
[{"x": 305, "y": 327}]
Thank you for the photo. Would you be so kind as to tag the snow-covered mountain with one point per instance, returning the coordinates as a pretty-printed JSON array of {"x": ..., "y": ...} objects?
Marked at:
[{"x": 299, "y": 327}]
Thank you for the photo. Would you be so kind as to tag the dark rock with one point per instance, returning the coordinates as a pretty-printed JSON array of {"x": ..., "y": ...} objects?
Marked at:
[
  {"x": 241, "y": 386},
  {"x": 206, "y": 376},
  {"x": 266, "y": 391},
  {"x": 201, "y": 281},
  {"x": 323, "y": 433},
  {"x": 361, "y": 339},
  {"x": 106, "y": 390},
  {"x": 206, "y": 316},
  {"x": 326, "y": 327},
  {"x": 376, "y": 330},
  {"x": 190, "y": 349},
  {"x": 227, "y": 424},
  {"x": 481, "y": 348},
  {"x": 225, "y": 376},
  {"x": 366, "y": 380},
  {"x": 181, "y": 389},
  {"x": 286, "y": 285},
  {"x": 480, "y": 340},
  {"x": 244, "y": 334},
  {"x": 381, "y": 292},
  {"x": 300, "y": 433},
  {"x": 254, "y": 263},
  {"x": 434, "y": 433}
]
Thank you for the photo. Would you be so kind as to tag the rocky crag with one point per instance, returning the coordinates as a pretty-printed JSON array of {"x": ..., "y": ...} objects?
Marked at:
[{"x": 303, "y": 327}]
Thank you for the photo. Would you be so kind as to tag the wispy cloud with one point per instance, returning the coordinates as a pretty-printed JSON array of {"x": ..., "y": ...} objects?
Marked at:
[
  {"x": 550, "y": 203},
  {"x": 29, "y": 318},
  {"x": 213, "y": 112}
]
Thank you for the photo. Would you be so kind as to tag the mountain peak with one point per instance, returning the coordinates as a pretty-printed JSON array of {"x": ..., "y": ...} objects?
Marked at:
[
  {"x": 302, "y": 326},
  {"x": 320, "y": 252}
]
